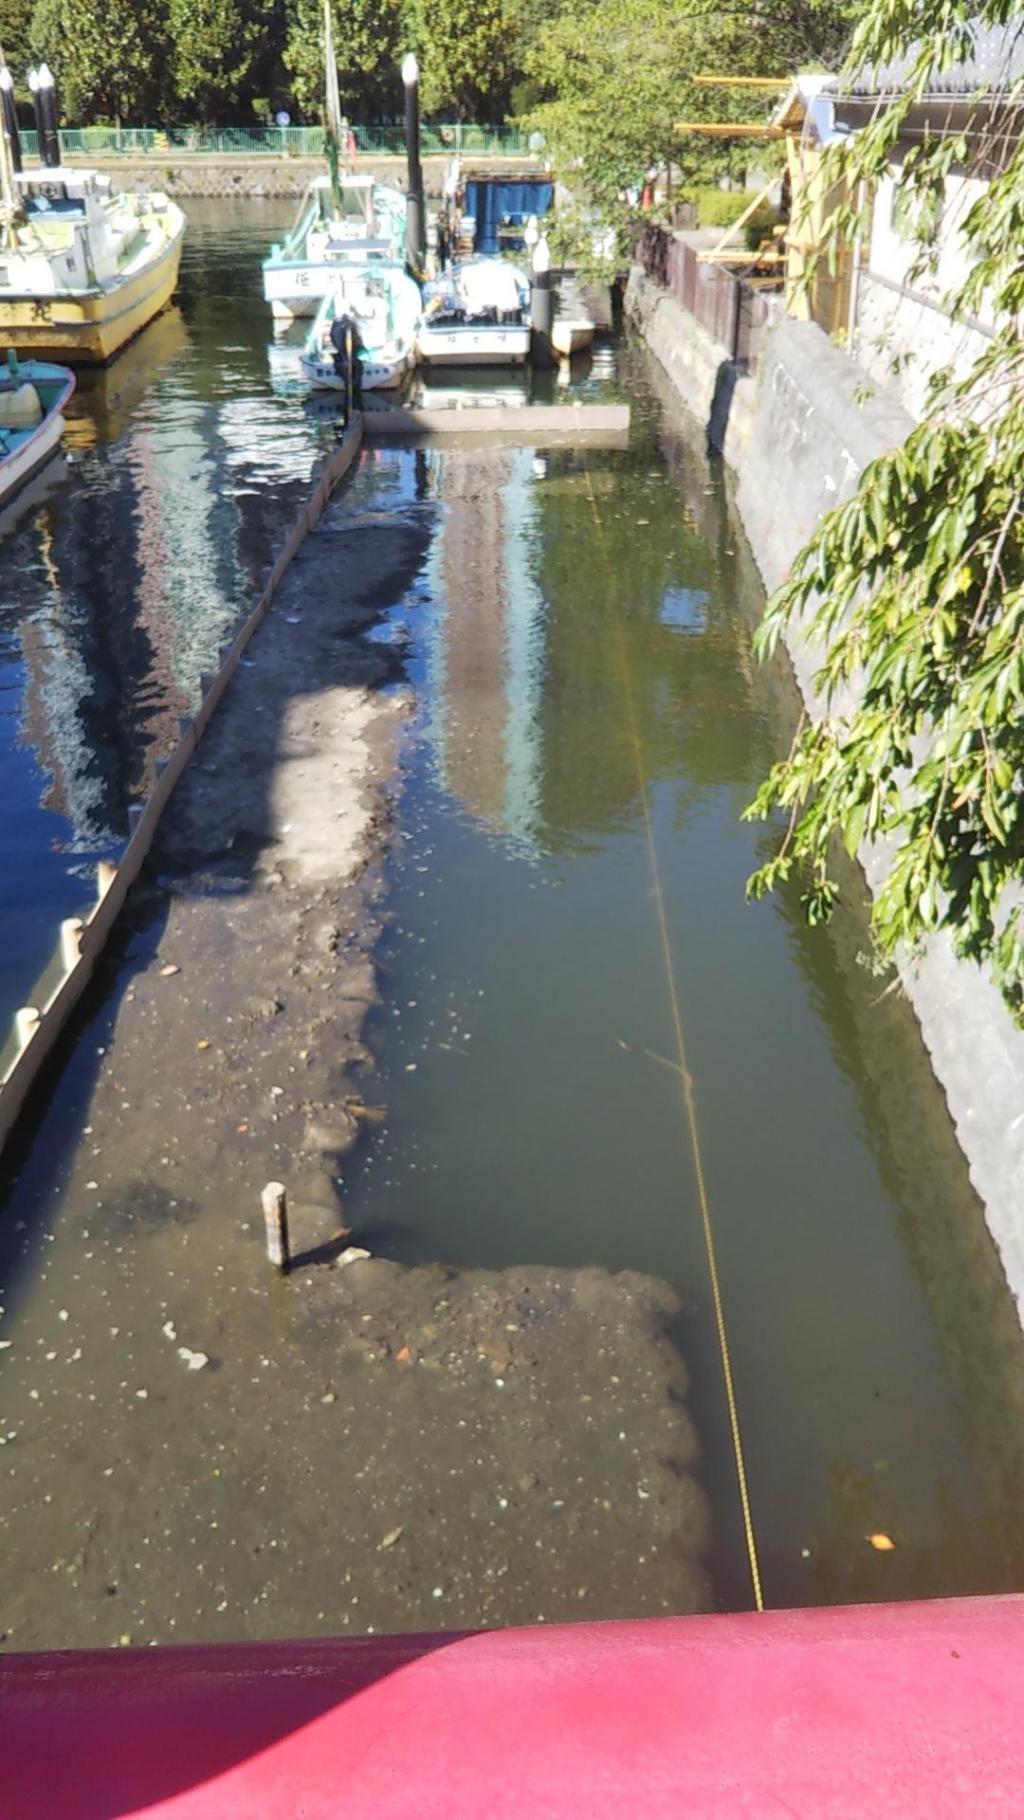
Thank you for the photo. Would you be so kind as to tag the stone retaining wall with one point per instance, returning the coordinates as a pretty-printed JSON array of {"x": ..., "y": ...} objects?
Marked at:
[
  {"x": 203, "y": 175},
  {"x": 798, "y": 438}
]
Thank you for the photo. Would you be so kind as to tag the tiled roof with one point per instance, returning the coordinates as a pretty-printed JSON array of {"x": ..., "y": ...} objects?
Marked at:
[{"x": 996, "y": 62}]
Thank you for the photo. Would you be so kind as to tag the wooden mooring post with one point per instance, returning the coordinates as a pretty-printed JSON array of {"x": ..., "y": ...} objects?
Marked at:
[{"x": 275, "y": 1220}]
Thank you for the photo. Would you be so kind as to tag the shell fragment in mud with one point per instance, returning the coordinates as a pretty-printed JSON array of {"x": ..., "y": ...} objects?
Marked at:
[{"x": 353, "y": 1254}]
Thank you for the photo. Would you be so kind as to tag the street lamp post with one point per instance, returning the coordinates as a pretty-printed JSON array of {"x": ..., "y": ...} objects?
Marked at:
[{"x": 415, "y": 218}]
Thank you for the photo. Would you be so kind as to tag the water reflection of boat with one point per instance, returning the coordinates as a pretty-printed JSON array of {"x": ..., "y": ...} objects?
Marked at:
[
  {"x": 108, "y": 397},
  {"x": 473, "y": 391},
  {"x": 284, "y": 368},
  {"x": 84, "y": 268},
  {"x": 33, "y": 395},
  {"x": 34, "y": 493}
]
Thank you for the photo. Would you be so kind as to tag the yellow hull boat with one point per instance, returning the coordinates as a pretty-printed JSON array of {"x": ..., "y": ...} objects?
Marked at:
[{"x": 82, "y": 282}]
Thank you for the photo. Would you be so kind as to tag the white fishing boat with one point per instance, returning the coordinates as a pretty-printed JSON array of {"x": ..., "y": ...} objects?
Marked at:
[
  {"x": 32, "y": 398},
  {"x": 477, "y": 313},
  {"x": 352, "y": 221},
  {"x": 343, "y": 219},
  {"x": 382, "y": 305}
]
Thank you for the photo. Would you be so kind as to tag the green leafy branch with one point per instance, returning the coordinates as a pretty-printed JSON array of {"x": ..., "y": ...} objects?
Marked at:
[{"x": 914, "y": 590}]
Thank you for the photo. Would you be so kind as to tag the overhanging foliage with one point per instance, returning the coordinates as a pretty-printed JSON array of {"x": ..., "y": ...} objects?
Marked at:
[{"x": 914, "y": 590}]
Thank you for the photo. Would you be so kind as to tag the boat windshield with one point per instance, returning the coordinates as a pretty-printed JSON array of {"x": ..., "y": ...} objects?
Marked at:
[{"x": 355, "y": 206}]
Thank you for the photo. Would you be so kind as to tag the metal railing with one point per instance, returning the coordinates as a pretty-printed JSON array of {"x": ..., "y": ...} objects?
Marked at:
[
  {"x": 734, "y": 314},
  {"x": 280, "y": 141}
]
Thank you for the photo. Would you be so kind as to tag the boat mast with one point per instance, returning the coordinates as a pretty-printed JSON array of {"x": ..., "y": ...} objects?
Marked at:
[{"x": 333, "y": 110}]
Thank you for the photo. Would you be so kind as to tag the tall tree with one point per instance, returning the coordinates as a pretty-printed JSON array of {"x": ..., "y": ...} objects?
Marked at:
[
  {"x": 217, "y": 47},
  {"x": 370, "y": 38},
  {"x": 914, "y": 590},
  {"x": 466, "y": 50},
  {"x": 109, "y": 57},
  {"x": 15, "y": 26},
  {"x": 614, "y": 76}
]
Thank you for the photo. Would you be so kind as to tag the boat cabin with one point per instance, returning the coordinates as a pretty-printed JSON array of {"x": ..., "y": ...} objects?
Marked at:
[
  {"x": 73, "y": 232},
  {"x": 370, "y": 220}
]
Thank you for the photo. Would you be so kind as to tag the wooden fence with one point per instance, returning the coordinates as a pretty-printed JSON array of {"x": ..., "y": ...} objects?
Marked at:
[{"x": 733, "y": 313}]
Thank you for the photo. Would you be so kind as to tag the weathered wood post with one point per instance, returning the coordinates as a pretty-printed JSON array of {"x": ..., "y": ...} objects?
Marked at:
[
  {"x": 26, "y": 1023},
  {"x": 71, "y": 942},
  {"x": 275, "y": 1220}
]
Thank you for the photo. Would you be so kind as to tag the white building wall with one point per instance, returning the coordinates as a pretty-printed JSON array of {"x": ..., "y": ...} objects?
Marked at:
[{"x": 903, "y": 334}]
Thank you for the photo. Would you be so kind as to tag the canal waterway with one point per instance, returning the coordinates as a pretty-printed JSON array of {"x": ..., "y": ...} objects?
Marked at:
[{"x": 592, "y": 1051}]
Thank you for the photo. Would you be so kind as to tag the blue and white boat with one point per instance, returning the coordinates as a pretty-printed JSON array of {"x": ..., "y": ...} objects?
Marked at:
[
  {"x": 351, "y": 220},
  {"x": 32, "y": 398},
  {"x": 382, "y": 303}
]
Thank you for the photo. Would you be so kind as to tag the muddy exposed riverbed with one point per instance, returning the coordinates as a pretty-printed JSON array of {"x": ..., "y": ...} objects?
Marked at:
[{"x": 361, "y": 1445}]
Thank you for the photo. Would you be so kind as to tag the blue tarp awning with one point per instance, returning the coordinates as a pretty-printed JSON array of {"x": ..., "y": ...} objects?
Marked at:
[{"x": 495, "y": 201}]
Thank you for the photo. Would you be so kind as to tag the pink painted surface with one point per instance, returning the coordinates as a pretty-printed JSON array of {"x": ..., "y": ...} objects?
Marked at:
[{"x": 870, "y": 1713}]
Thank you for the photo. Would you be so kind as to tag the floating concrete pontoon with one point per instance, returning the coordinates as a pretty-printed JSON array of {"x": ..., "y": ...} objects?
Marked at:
[{"x": 525, "y": 424}]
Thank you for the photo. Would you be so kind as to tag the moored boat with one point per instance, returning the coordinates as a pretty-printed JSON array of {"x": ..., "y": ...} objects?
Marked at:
[
  {"x": 342, "y": 219},
  {"x": 32, "y": 399},
  {"x": 382, "y": 305},
  {"x": 83, "y": 269},
  {"x": 476, "y": 314},
  {"x": 348, "y": 222}
]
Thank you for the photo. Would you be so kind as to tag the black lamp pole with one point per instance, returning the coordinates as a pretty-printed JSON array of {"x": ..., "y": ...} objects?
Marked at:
[
  {"x": 46, "y": 111},
  {"x": 10, "y": 114},
  {"x": 415, "y": 218}
]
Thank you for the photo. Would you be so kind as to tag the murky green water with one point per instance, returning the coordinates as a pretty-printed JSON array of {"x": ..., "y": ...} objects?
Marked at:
[
  {"x": 589, "y": 724},
  {"x": 581, "y": 637}
]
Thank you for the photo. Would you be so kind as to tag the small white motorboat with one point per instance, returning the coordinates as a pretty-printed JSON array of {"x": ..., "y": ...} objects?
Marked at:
[
  {"x": 32, "y": 398},
  {"x": 382, "y": 305},
  {"x": 477, "y": 313}
]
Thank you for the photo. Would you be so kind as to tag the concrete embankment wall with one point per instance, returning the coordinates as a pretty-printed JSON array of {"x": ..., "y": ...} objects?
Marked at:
[
  {"x": 202, "y": 174},
  {"x": 798, "y": 437}
]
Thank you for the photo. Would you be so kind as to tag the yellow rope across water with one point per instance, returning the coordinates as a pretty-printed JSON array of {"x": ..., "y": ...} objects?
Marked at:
[{"x": 689, "y": 1099}]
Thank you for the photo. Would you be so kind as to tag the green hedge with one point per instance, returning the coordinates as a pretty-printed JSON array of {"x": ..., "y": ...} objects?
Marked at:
[{"x": 720, "y": 208}]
